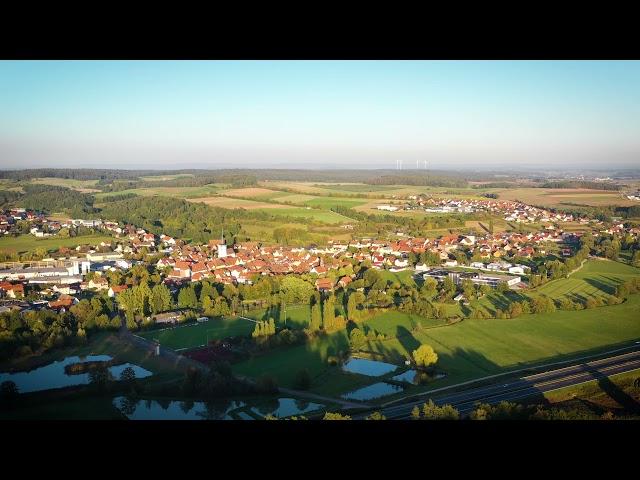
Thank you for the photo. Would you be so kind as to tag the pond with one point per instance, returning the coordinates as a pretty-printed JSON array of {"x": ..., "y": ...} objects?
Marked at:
[
  {"x": 220, "y": 409},
  {"x": 53, "y": 375},
  {"x": 286, "y": 407},
  {"x": 141, "y": 409},
  {"x": 411, "y": 376},
  {"x": 408, "y": 376},
  {"x": 376, "y": 390},
  {"x": 372, "y": 368}
]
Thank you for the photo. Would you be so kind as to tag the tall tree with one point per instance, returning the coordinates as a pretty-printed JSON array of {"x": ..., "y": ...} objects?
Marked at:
[{"x": 329, "y": 313}]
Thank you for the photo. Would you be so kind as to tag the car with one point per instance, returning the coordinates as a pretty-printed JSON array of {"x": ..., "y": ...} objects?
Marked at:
[{"x": 202, "y": 319}]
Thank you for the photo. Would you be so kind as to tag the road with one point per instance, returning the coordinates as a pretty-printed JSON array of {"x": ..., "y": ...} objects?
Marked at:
[{"x": 523, "y": 387}]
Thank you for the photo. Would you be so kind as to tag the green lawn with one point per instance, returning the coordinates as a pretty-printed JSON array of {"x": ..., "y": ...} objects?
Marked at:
[
  {"x": 399, "y": 323},
  {"x": 283, "y": 363},
  {"x": 66, "y": 182},
  {"x": 164, "y": 178},
  {"x": 196, "y": 335},
  {"x": 325, "y": 216},
  {"x": 356, "y": 188},
  {"x": 403, "y": 278},
  {"x": 27, "y": 243},
  {"x": 469, "y": 349},
  {"x": 476, "y": 348},
  {"x": 330, "y": 202},
  {"x": 595, "y": 278},
  {"x": 298, "y": 316},
  {"x": 177, "y": 192}
]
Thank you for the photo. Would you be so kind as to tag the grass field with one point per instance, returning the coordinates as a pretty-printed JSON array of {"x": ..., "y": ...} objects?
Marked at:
[
  {"x": 164, "y": 178},
  {"x": 326, "y": 216},
  {"x": 258, "y": 193},
  {"x": 597, "y": 278},
  {"x": 84, "y": 186},
  {"x": 27, "y": 243},
  {"x": 355, "y": 187},
  {"x": 555, "y": 197},
  {"x": 297, "y": 198},
  {"x": 176, "y": 192},
  {"x": 469, "y": 349},
  {"x": 330, "y": 202},
  {"x": 196, "y": 335}
]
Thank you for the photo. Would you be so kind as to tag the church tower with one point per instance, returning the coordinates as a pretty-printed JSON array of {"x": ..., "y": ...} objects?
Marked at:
[{"x": 222, "y": 248}]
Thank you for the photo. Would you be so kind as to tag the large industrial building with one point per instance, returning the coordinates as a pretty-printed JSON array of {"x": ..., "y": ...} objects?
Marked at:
[{"x": 478, "y": 278}]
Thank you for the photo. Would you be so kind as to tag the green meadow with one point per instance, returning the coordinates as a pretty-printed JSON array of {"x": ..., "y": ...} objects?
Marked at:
[{"x": 28, "y": 243}]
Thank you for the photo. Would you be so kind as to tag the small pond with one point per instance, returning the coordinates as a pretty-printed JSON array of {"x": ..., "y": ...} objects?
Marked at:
[
  {"x": 411, "y": 376},
  {"x": 370, "y": 392},
  {"x": 53, "y": 375},
  {"x": 220, "y": 409},
  {"x": 141, "y": 409},
  {"x": 286, "y": 407},
  {"x": 372, "y": 368}
]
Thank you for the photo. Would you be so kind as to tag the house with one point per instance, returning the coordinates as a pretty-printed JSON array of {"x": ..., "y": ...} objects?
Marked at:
[
  {"x": 11, "y": 290},
  {"x": 99, "y": 283},
  {"x": 324, "y": 284},
  {"x": 422, "y": 267},
  {"x": 63, "y": 303},
  {"x": 344, "y": 281},
  {"x": 116, "y": 289},
  {"x": 516, "y": 269}
]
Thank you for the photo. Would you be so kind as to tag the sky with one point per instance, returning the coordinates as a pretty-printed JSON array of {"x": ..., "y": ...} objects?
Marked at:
[{"x": 319, "y": 114}]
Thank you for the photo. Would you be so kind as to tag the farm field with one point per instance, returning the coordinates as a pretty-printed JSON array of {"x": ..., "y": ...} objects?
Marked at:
[
  {"x": 27, "y": 243},
  {"x": 297, "y": 198},
  {"x": 556, "y": 197},
  {"x": 355, "y": 187},
  {"x": 255, "y": 192},
  {"x": 83, "y": 186},
  {"x": 177, "y": 192},
  {"x": 227, "y": 202},
  {"x": 164, "y": 178},
  {"x": 326, "y": 216},
  {"x": 329, "y": 202}
]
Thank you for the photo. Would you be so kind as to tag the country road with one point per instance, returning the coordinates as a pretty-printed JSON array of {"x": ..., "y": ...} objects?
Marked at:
[{"x": 523, "y": 387}]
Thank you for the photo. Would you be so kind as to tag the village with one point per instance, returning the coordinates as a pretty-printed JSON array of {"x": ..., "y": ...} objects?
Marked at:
[
  {"x": 490, "y": 259},
  {"x": 511, "y": 211}
]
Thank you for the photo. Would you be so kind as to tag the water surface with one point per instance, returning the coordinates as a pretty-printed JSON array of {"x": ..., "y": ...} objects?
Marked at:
[
  {"x": 372, "y": 368},
  {"x": 52, "y": 375}
]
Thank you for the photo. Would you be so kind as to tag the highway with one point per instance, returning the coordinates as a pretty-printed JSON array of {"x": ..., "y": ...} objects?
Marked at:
[{"x": 523, "y": 387}]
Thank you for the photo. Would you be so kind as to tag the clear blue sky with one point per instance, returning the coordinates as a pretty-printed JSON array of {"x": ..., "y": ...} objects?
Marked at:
[{"x": 136, "y": 114}]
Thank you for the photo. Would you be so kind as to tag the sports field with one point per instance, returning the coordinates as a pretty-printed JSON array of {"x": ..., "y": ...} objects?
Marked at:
[
  {"x": 197, "y": 334},
  {"x": 27, "y": 243}
]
